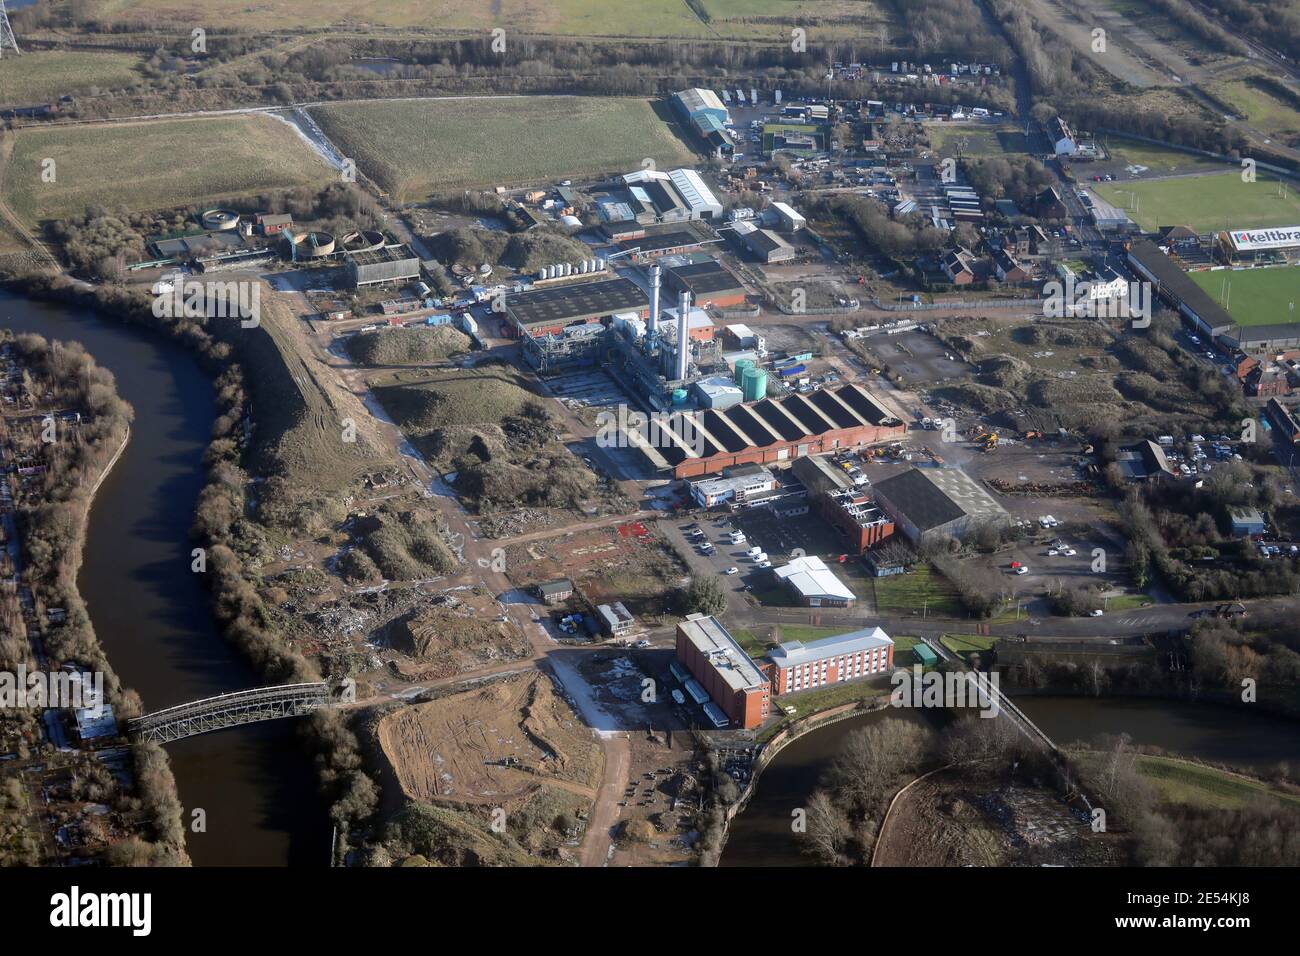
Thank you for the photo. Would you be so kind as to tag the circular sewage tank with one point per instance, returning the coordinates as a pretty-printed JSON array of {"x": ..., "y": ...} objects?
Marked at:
[
  {"x": 753, "y": 386},
  {"x": 365, "y": 240},
  {"x": 741, "y": 366},
  {"x": 219, "y": 220},
  {"x": 313, "y": 245}
]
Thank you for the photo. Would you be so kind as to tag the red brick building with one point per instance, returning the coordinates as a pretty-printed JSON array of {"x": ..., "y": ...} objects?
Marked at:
[
  {"x": 854, "y": 514},
  {"x": 773, "y": 430},
  {"x": 728, "y": 675},
  {"x": 796, "y": 666}
]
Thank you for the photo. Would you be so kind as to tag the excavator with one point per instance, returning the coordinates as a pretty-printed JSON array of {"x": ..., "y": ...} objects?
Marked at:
[{"x": 989, "y": 440}]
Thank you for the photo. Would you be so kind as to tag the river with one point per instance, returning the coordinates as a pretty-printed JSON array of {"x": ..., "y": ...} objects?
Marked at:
[
  {"x": 255, "y": 784},
  {"x": 761, "y": 835}
]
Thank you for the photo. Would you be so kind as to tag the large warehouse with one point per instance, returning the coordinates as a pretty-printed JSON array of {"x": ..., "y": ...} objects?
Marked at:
[
  {"x": 771, "y": 430},
  {"x": 706, "y": 116},
  {"x": 931, "y": 503},
  {"x": 709, "y": 282},
  {"x": 547, "y": 311}
]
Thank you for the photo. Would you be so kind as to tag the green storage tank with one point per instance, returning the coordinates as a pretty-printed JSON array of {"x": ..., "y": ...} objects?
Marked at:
[
  {"x": 741, "y": 365},
  {"x": 753, "y": 386},
  {"x": 680, "y": 395}
]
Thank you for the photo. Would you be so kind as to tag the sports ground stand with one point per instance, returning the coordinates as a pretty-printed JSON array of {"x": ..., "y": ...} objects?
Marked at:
[{"x": 1174, "y": 286}]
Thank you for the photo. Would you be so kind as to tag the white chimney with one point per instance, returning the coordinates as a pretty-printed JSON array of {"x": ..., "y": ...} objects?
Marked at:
[
  {"x": 683, "y": 335},
  {"x": 654, "y": 303}
]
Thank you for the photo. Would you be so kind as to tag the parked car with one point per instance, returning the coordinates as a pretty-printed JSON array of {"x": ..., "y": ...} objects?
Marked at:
[{"x": 732, "y": 571}]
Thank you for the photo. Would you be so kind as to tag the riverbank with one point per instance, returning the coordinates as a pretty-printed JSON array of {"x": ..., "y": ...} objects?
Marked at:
[
  {"x": 783, "y": 739},
  {"x": 222, "y": 504},
  {"x": 52, "y": 501}
]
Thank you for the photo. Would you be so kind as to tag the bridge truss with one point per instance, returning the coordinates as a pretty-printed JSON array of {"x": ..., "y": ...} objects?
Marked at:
[{"x": 231, "y": 710}]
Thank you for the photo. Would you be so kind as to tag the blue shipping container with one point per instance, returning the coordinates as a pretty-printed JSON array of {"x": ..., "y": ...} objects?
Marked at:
[{"x": 792, "y": 370}]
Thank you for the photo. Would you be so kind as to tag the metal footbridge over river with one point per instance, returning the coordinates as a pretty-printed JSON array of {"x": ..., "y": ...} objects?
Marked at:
[{"x": 233, "y": 710}]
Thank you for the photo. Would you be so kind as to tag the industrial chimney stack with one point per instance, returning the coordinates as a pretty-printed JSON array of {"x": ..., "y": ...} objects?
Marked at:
[
  {"x": 683, "y": 335},
  {"x": 653, "y": 323}
]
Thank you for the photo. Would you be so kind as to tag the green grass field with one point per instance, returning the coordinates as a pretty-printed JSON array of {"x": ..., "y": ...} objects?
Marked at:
[
  {"x": 1158, "y": 159},
  {"x": 415, "y": 147},
  {"x": 922, "y": 590},
  {"x": 43, "y": 76},
  {"x": 1256, "y": 296},
  {"x": 1205, "y": 203},
  {"x": 949, "y": 139},
  {"x": 1260, "y": 107},
  {"x": 728, "y": 19},
  {"x": 1183, "y": 781},
  {"x": 155, "y": 165}
]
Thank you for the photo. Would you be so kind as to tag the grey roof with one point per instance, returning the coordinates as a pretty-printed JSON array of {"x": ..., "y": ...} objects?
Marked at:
[
  {"x": 729, "y": 660},
  {"x": 797, "y": 652},
  {"x": 932, "y": 497},
  {"x": 1160, "y": 268}
]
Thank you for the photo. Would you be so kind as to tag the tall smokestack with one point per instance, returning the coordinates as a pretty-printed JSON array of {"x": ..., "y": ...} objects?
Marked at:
[
  {"x": 654, "y": 305},
  {"x": 683, "y": 335}
]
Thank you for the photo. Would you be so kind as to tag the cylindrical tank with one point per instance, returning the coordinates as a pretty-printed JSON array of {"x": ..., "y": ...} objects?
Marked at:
[
  {"x": 679, "y": 396},
  {"x": 753, "y": 386},
  {"x": 741, "y": 366}
]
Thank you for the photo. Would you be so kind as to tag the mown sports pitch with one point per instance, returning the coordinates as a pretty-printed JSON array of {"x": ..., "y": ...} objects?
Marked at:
[
  {"x": 154, "y": 165},
  {"x": 1206, "y": 203},
  {"x": 1255, "y": 296},
  {"x": 415, "y": 147}
]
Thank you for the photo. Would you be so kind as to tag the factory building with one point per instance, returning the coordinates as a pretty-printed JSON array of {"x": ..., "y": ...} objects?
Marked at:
[
  {"x": 550, "y": 310},
  {"x": 932, "y": 503},
  {"x": 797, "y": 666},
  {"x": 766, "y": 431},
  {"x": 700, "y": 102},
  {"x": 765, "y": 245},
  {"x": 566, "y": 324},
  {"x": 785, "y": 217},
  {"x": 674, "y": 239},
  {"x": 740, "y": 484},
  {"x": 650, "y": 196},
  {"x": 723, "y": 671},
  {"x": 705, "y": 116},
  {"x": 717, "y": 392},
  {"x": 854, "y": 514},
  {"x": 811, "y": 583},
  {"x": 386, "y": 266},
  {"x": 709, "y": 282}
]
